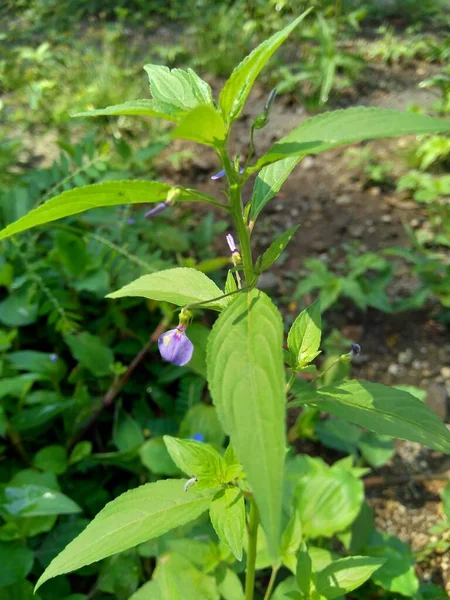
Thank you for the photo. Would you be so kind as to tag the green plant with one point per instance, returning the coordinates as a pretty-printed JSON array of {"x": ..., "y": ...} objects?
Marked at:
[
  {"x": 362, "y": 278},
  {"x": 273, "y": 508}
]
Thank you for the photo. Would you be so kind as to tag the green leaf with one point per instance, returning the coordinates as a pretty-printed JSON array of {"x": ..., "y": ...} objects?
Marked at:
[
  {"x": 31, "y": 500},
  {"x": 282, "y": 590},
  {"x": 227, "y": 513},
  {"x": 198, "y": 460},
  {"x": 446, "y": 500},
  {"x": 235, "y": 91},
  {"x": 149, "y": 591},
  {"x": 110, "y": 193},
  {"x": 131, "y": 519},
  {"x": 276, "y": 248},
  {"x": 90, "y": 351},
  {"x": 397, "y": 574},
  {"x": 127, "y": 434},
  {"x": 179, "y": 286},
  {"x": 385, "y": 410},
  {"x": 51, "y": 458},
  {"x": 178, "y": 579},
  {"x": 290, "y": 541},
  {"x": 18, "y": 591},
  {"x": 246, "y": 379},
  {"x": 328, "y": 501},
  {"x": 346, "y": 574},
  {"x": 304, "y": 573},
  {"x": 177, "y": 91},
  {"x": 145, "y": 108},
  {"x": 119, "y": 576},
  {"x": 16, "y": 561},
  {"x": 340, "y": 127},
  {"x": 82, "y": 450},
  {"x": 304, "y": 336},
  {"x": 154, "y": 456},
  {"x": 376, "y": 449},
  {"x": 202, "y": 124},
  {"x": 229, "y": 585},
  {"x": 339, "y": 435},
  {"x": 269, "y": 182}
]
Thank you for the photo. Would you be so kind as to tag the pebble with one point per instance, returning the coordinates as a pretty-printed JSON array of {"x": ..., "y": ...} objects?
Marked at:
[
  {"x": 445, "y": 372},
  {"x": 417, "y": 365},
  {"x": 307, "y": 163},
  {"x": 344, "y": 200},
  {"x": 395, "y": 369},
  {"x": 357, "y": 231},
  {"x": 405, "y": 357},
  {"x": 386, "y": 218}
]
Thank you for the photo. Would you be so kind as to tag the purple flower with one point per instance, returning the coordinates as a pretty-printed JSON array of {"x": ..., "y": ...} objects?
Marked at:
[
  {"x": 231, "y": 243},
  {"x": 198, "y": 437},
  {"x": 355, "y": 349},
  {"x": 156, "y": 210},
  {"x": 131, "y": 221},
  {"x": 53, "y": 357},
  {"x": 175, "y": 346},
  {"x": 221, "y": 173}
]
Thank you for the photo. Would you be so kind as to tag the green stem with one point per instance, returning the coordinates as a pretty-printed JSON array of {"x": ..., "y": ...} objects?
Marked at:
[
  {"x": 290, "y": 383},
  {"x": 271, "y": 585},
  {"x": 251, "y": 551},
  {"x": 237, "y": 214}
]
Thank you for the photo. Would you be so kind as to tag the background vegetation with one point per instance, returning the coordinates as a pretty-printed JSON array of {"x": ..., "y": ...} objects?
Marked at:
[{"x": 75, "y": 426}]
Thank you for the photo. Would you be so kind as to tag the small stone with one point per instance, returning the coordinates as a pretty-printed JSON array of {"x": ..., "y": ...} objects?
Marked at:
[
  {"x": 445, "y": 372},
  {"x": 295, "y": 213},
  {"x": 375, "y": 191},
  {"x": 405, "y": 357},
  {"x": 344, "y": 200},
  {"x": 307, "y": 163},
  {"x": 414, "y": 223},
  {"x": 386, "y": 218},
  {"x": 394, "y": 369},
  {"x": 357, "y": 231},
  {"x": 437, "y": 400},
  {"x": 417, "y": 365}
]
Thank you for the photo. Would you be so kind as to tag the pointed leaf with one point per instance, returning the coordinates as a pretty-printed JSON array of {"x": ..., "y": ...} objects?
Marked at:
[
  {"x": 385, "y": 410},
  {"x": 110, "y": 193},
  {"x": 131, "y": 519},
  {"x": 246, "y": 379},
  {"x": 340, "y": 127},
  {"x": 196, "y": 459},
  {"x": 202, "y": 124},
  {"x": 276, "y": 248},
  {"x": 346, "y": 574},
  {"x": 304, "y": 336},
  {"x": 305, "y": 573},
  {"x": 179, "y": 286},
  {"x": 237, "y": 88},
  {"x": 227, "y": 512},
  {"x": 145, "y": 108},
  {"x": 269, "y": 182},
  {"x": 179, "y": 89},
  {"x": 179, "y": 579}
]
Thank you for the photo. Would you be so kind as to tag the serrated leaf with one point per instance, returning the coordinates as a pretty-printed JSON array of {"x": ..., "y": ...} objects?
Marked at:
[
  {"x": 276, "y": 248},
  {"x": 246, "y": 379},
  {"x": 145, "y": 108},
  {"x": 110, "y": 193},
  {"x": 346, "y": 574},
  {"x": 197, "y": 459},
  {"x": 385, "y": 410},
  {"x": 202, "y": 124},
  {"x": 235, "y": 91},
  {"x": 269, "y": 182},
  {"x": 179, "y": 286},
  {"x": 227, "y": 513},
  {"x": 304, "y": 336},
  {"x": 341, "y": 127},
  {"x": 131, "y": 519}
]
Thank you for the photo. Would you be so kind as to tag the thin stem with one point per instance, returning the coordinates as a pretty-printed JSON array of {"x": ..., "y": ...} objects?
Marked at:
[
  {"x": 271, "y": 585},
  {"x": 289, "y": 384},
  {"x": 237, "y": 214},
  {"x": 251, "y": 551}
]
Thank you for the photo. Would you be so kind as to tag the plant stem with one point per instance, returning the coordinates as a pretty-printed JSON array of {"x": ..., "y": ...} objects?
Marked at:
[
  {"x": 270, "y": 587},
  {"x": 237, "y": 214},
  {"x": 251, "y": 551},
  {"x": 290, "y": 383}
]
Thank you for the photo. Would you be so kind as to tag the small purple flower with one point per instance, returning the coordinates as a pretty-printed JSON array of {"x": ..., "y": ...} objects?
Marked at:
[
  {"x": 131, "y": 221},
  {"x": 53, "y": 357},
  {"x": 198, "y": 437},
  {"x": 156, "y": 210},
  {"x": 355, "y": 349},
  {"x": 175, "y": 346},
  {"x": 221, "y": 173}
]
